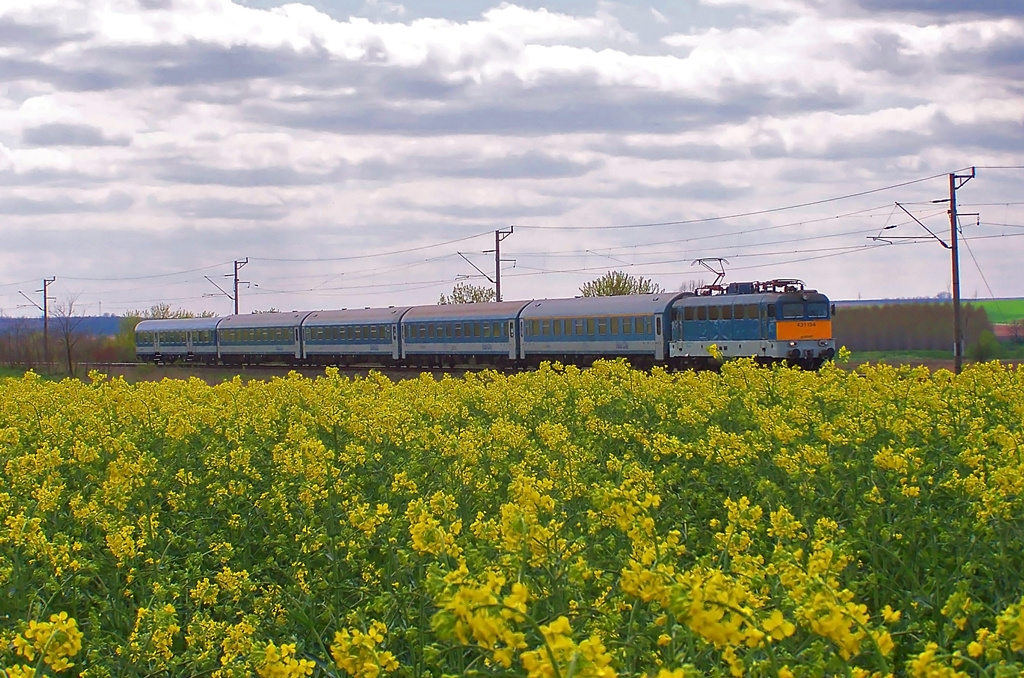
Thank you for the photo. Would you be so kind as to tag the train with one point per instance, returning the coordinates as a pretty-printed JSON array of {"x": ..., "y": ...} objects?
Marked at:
[{"x": 774, "y": 321}]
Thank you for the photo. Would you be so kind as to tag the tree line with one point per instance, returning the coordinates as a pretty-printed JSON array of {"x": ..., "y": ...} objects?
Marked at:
[{"x": 903, "y": 327}]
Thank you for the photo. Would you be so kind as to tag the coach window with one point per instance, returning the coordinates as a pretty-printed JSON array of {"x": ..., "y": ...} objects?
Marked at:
[
  {"x": 545, "y": 327},
  {"x": 556, "y": 327},
  {"x": 487, "y": 330},
  {"x": 702, "y": 313},
  {"x": 751, "y": 311},
  {"x": 458, "y": 330},
  {"x": 727, "y": 312},
  {"x": 647, "y": 325},
  {"x": 713, "y": 312},
  {"x": 688, "y": 313},
  {"x": 602, "y": 326},
  {"x": 771, "y": 310},
  {"x": 448, "y": 330},
  {"x": 591, "y": 326}
]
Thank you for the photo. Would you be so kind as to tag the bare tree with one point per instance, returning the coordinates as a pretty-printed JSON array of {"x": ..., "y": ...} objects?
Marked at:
[
  {"x": 67, "y": 324},
  {"x": 19, "y": 344}
]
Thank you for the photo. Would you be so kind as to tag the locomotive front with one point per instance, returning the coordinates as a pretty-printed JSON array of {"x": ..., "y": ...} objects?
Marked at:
[{"x": 803, "y": 327}]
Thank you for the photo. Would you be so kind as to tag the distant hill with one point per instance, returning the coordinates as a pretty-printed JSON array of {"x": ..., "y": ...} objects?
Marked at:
[{"x": 99, "y": 326}]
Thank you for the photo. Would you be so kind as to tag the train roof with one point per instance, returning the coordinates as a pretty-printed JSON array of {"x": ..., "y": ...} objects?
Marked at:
[
  {"x": 176, "y": 324},
  {"x": 446, "y": 312},
  {"x": 289, "y": 319},
  {"x": 627, "y": 304},
  {"x": 355, "y": 316},
  {"x": 754, "y": 298}
]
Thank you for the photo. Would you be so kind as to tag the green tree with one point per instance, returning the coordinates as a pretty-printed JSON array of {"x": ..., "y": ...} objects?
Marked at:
[
  {"x": 465, "y": 293},
  {"x": 615, "y": 283},
  {"x": 987, "y": 348}
]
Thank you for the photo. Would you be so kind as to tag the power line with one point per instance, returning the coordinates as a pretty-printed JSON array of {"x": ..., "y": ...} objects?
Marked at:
[
  {"x": 702, "y": 220},
  {"x": 377, "y": 254},
  {"x": 711, "y": 236},
  {"x": 978, "y": 266},
  {"x": 148, "y": 277}
]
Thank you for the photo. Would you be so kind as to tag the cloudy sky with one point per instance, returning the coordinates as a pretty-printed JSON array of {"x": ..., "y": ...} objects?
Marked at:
[{"x": 352, "y": 149}]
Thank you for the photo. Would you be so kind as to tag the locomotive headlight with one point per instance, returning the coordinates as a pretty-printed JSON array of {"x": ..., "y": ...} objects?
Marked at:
[{"x": 792, "y": 343}]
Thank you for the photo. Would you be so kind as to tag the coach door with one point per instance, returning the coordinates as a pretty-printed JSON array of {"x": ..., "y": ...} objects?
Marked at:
[
  {"x": 297, "y": 333},
  {"x": 512, "y": 340},
  {"x": 659, "y": 340},
  {"x": 394, "y": 342}
]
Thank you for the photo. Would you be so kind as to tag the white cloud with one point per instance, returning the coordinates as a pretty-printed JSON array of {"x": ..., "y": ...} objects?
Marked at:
[{"x": 223, "y": 131}]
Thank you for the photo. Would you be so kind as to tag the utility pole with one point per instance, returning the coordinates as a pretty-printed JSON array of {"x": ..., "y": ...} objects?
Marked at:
[
  {"x": 237, "y": 282},
  {"x": 956, "y": 181},
  {"x": 45, "y": 308},
  {"x": 46, "y": 319},
  {"x": 238, "y": 267},
  {"x": 499, "y": 235}
]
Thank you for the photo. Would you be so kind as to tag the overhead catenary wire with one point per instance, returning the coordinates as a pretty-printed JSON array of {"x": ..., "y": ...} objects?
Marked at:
[
  {"x": 701, "y": 220},
  {"x": 375, "y": 254}
]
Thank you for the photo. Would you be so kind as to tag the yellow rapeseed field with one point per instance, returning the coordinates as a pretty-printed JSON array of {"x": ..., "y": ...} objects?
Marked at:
[{"x": 563, "y": 522}]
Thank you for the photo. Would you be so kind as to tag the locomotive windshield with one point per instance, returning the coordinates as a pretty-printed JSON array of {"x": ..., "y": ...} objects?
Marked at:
[
  {"x": 817, "y": 309},
  {"x": 812, "y": 309},
  {"x": 793, "y": 310}
]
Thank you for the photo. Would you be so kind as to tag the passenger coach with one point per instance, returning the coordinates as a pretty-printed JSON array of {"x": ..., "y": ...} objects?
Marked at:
[
  {"x": 353, "y": 335},
  {"x": 261, "y": 337},
  {"x": 586, "y": 328},
  {"x": 447, "y": 334},
  {"x": 177, "y": 339}
]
